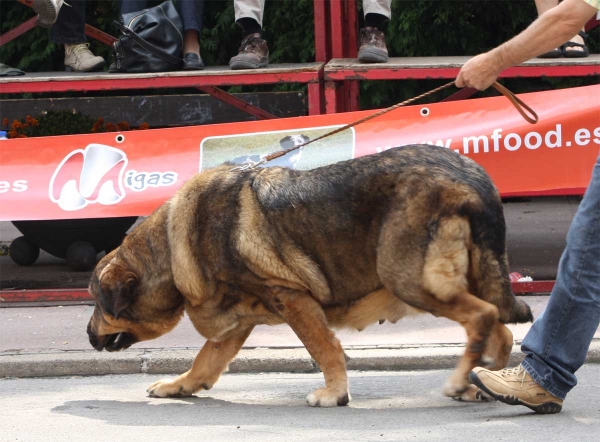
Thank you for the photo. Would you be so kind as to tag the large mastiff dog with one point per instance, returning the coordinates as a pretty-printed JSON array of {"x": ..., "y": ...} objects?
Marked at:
[{"x": 413, "y": 229}]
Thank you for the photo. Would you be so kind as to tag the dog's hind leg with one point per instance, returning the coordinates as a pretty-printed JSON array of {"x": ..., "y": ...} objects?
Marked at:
[
  {"x": 478, "y": 318},
  {"x": 434, "y": 278},
  {"x": 307, "y": 319},
  {"x": 210, "y": 363},
  {"x": 496, "y": 355}
]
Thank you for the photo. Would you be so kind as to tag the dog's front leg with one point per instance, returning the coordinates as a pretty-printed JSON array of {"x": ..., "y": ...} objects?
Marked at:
[
  {"x": 307, "y": 319},
  {"x": 211, "y": 361}
]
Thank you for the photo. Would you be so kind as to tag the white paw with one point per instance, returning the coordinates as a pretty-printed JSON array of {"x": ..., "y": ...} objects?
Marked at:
[
  {"x": 473, "y": 394},
  {"x": 165, "y": 388},
  {"x": 453, "y": 388},
  {"x": 328, "y": 397},
  {"x": 487, "y": 362}
]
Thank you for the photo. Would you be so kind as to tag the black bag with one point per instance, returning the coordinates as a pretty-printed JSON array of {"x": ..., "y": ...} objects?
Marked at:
[{"x": 151, "y": 40}]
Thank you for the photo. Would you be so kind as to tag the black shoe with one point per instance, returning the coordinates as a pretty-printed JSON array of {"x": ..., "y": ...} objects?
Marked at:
[
  {"x": 554, "y": 53},
  {"x": 581, "y": 50},
  {"x": 192, "y": 62}
]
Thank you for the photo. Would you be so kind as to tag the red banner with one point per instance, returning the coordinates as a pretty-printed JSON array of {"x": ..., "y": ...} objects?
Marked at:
[{"x": 132, "y": 173}]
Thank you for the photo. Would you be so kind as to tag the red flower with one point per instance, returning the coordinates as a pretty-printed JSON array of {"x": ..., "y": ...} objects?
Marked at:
[{"x": 123, "y": 126}]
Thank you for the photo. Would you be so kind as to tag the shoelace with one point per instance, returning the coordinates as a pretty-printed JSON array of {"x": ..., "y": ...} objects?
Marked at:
[
  {"x": 82, "y": 49},
  {"x": 251, "y": 43},
  {"x": 371, "y": 35},
  {"x": 518, "y": 371}
]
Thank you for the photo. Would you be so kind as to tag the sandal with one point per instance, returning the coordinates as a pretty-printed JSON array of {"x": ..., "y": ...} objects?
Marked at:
[
  {"x": 554, "y": 53},
  {"x": 576, "y": 53}
]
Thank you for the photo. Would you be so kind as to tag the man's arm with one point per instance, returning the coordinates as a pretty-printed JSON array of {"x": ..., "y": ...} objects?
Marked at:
[{"x": 549, "y": 31}]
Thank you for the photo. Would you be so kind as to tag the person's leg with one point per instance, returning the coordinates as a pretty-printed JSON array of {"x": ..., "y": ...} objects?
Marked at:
[
  {"x": 558, "y": 341},
  {"x": 556, "y": 345},
  {"x": 372, "y": 47},
  {"x": 543, "y": 5},
  {"x": 70, "y": 24},
  {"x": 191, "y": 12},
  {"x": 253, "y": 52},
  {"x": 69, "y": 30},
  {"x": 574, "y": 48},
  {"x": 380, "y": 7},
  {"x": 127, "y": 6},
  {"x": 253, "y": 9}
]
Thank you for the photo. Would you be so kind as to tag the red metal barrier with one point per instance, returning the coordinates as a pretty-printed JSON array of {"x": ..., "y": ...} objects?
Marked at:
[{"x": 70, "y": 295}]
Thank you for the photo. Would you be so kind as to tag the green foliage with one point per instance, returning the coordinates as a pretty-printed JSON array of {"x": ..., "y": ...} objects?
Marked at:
[{"x": 418, "y": 28}]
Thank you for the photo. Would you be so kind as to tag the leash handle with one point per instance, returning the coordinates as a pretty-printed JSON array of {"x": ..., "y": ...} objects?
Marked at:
[{"x": 518, "y": 103}]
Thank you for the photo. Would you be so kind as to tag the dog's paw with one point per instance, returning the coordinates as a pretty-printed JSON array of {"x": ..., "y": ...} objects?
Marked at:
[
  {"x": 166, "y": 388},
  {"x": 328, "y": 397},
  {"x": 474, "y": 394},
  {"x": 454, "y": 388},
  {"x": 487, "y": 362}
]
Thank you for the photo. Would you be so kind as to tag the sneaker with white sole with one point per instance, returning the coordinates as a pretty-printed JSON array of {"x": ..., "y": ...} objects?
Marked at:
[
  {"x": 514, "y": 386},
  {"x": 79, "y": 58},
  {"x": 47, "y": 11}
]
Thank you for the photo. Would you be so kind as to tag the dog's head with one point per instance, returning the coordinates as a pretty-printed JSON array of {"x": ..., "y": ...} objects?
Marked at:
[
  {"x": 293, "y": 140},
  {"x": 129, "y": 310}
]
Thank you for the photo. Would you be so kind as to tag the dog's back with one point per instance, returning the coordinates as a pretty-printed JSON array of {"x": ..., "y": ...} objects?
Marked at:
[{"x": 355, "y": 213}]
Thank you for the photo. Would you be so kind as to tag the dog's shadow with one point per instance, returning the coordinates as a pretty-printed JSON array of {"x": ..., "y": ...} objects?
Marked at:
[
  {"x": 202, "y": 411},
  {"x": 195, "y": 411}
]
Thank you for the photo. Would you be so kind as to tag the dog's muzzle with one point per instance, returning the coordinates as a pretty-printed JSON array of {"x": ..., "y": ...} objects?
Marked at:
[{"x": 114, "y": 342}]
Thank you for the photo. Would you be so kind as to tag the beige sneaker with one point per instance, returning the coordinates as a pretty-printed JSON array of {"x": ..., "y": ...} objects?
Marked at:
[
  {"x": 47, "y": 11},
  {"x": 514, "y": 386},
  {"x": 79, "y": 58}
]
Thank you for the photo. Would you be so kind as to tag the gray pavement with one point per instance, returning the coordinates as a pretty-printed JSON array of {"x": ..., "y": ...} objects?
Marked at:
[{"x": 270, "y": 407}]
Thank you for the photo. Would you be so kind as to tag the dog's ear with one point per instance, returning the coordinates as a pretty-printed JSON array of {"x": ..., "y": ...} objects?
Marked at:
[
  {"x": 286, "y": 142},
  {"x": 118, "y": 285}
]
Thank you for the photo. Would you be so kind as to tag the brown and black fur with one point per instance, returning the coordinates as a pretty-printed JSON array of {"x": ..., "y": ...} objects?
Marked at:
[{"x": 413, "y": 229}]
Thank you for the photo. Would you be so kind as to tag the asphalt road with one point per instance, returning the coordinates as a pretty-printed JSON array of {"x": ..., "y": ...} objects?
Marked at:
[{"x": 386, "y": 406}]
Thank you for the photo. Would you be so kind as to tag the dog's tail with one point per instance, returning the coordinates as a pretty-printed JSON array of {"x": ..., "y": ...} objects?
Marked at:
[
  {"x": 493, "y": 285},
  {"x": 489, "y": 265}
]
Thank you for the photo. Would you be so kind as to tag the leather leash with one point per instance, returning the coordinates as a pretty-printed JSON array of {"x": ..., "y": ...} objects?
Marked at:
[{"x": 516, "y": 102}]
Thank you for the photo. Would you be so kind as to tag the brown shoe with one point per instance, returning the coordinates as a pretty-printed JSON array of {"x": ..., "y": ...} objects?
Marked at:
[
  {"x": 514, "y": 386},
  {"x": 253, "y": 53},
  {"x": 372, "y": 47}
]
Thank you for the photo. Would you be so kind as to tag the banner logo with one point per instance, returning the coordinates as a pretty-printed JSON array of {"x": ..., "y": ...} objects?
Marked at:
[{"x": 93, "y": 175}]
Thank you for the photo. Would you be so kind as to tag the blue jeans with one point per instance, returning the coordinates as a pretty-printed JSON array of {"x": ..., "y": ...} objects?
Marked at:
[
  {"x": 557, "y": 343},
  {"x": 70, "y": 24},
  {"x": 190, "y": 11}
]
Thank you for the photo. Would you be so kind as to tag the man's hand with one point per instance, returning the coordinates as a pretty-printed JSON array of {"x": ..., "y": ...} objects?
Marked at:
[{"x": 479, "y": 72}]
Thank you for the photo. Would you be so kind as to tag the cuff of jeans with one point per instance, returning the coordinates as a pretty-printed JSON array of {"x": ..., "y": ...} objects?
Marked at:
[{"x": 541, "y": 382}]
